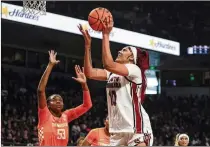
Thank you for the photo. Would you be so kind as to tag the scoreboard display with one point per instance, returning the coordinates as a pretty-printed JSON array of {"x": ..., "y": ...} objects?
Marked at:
[{"x": 198, "y": 50}]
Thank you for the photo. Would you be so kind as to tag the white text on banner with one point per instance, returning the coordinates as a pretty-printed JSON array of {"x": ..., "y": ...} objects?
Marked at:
[{"x": 68, "y": 24}]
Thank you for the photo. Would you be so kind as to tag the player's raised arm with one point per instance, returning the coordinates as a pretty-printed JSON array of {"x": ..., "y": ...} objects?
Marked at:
[
  {"x": 108, "y": 62},
  {"x": 90, "y": 72},
  {"x": 42, "y": 102},
  {"x": 87, "y": 103}
]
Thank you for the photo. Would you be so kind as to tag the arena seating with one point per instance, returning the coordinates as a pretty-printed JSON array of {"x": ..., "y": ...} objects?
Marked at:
[
  {"x": 168, "y": 115},
  {"x": 180, "y": 21}
]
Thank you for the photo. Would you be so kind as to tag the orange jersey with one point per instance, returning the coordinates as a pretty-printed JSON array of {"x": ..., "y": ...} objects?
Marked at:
[
  {"x": 97, "y": 137},
  {"x": 54, "y": 131}
]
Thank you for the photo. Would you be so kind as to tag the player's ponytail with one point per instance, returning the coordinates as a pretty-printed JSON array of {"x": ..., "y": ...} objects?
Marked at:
[{"x": 143, "y": 64}]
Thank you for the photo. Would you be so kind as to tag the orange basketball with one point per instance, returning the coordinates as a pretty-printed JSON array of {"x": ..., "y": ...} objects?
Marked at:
[{"x": 99, "y": 14}]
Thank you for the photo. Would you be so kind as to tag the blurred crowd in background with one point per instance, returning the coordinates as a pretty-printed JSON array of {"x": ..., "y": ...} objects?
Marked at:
[
  {"x": 38, "y": 60},
  {"x": 19, "y": 107},
  {"x": 186, "y": 22},
  {"x": 169, "y": 115},
  {"x": 182, "y": 21}
]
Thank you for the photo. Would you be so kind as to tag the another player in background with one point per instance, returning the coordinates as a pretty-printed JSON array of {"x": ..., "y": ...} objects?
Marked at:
[
  {"x": 128, "y": 121},
  {"x": 53, "y": 129},
  {"x": 80, "y": 141},
  {"x": 98, "y": 136},
  {"x": 182, "y": 140}
]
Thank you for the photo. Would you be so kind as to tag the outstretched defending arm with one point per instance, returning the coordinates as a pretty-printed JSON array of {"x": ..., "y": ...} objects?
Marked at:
[
  {"x": 87, "y": 103},
  {"x": 90, "y": 72},
  {"x": 42, "y": 102}
]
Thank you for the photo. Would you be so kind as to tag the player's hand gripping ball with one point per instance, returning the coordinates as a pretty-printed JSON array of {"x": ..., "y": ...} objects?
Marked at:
[{"x": 97, "y": 16}]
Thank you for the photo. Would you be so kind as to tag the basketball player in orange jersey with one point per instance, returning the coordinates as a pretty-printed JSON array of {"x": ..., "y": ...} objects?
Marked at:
[
  {"x": 98, "y": 136},
  {"x": 129, "y": 123},
  {"x": 80, "y": 141},
  {"x": 53, "y": 127},
  {"x": 182, "y": 140}
]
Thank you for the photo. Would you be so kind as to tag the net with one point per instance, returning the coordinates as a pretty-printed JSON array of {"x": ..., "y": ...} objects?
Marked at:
[{"x": 34, "y": 7}]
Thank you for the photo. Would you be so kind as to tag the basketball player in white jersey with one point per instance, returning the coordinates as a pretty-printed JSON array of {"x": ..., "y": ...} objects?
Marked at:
[{"x": 129, "y": 122}]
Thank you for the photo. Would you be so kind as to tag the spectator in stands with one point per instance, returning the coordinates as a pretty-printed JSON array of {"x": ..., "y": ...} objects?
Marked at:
[
  {"x": 75, "y": 131},
  {"x": 177, "y": 114}
]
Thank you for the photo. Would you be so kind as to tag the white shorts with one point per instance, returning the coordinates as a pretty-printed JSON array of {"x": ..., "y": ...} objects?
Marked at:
[{"x": 131, "y": 139}]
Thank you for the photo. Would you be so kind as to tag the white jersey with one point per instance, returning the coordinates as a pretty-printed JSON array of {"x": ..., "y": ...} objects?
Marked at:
[{"x": 126, "y": 113}]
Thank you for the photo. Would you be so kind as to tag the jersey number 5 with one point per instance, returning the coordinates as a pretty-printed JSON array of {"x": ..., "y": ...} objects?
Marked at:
[
  {"x": 61, "y": 134},
  {"x": 113, "y": 97}
]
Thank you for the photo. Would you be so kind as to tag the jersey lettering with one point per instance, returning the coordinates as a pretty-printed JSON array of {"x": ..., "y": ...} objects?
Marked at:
[{"x": 114, "y": 82}]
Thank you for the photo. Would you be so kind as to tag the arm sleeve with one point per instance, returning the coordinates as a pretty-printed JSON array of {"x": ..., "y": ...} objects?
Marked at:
[
  {"x": 81, "y": 109},
  {"x": 43, "y": 115},
  {"x": 133, "y": 71},
  {"x": 91, "y": 137}
]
